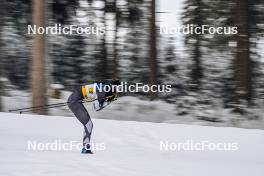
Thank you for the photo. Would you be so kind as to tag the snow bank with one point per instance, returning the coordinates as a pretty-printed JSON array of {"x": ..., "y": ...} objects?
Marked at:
[{"x": 134, "y": 109}]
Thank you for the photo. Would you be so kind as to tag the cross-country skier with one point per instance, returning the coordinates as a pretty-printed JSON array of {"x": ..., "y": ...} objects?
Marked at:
[{"x": 101, "y": 98}]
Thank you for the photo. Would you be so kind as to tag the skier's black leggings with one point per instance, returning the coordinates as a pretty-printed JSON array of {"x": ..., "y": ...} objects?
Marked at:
[{"x": 76, "y": 106}]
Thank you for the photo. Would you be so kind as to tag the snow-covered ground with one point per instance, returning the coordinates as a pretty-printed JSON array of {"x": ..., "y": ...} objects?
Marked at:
[{"x": 131, "y": 149}]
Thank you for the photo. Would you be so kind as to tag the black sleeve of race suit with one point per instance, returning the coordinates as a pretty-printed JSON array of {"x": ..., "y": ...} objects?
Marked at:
[{"x": 101, "y": 96}]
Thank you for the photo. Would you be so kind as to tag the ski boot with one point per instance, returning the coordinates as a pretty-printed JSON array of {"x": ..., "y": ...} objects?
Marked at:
[{"x": 87, "y": 149}]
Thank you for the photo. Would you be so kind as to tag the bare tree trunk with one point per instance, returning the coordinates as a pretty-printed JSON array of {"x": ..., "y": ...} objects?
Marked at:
[
  {"x": 115, "y": 60},
  {"x": 197, "y": 72},
  {"x": 1, "y": 55},
  {"x": 153, "y": 49},
  {"x": 104, "y": 60},
  {"x": 242, "y": 62},
  {"x": 38, "y": 76}
]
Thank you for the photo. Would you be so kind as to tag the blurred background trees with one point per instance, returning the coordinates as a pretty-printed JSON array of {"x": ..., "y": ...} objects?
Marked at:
[{"x": 210, "y": 72}]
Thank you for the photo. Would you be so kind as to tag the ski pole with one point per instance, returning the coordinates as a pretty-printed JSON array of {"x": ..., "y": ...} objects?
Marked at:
[
  {"x": 33, "y": 107},
  {"x": 49, "y": 107},
  {"x": 45, "y": 106},
  {"x": 55, "y": 105}
]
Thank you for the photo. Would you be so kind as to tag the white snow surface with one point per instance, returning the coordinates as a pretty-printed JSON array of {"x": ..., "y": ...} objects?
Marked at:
[{"x": 131, "y": 149}]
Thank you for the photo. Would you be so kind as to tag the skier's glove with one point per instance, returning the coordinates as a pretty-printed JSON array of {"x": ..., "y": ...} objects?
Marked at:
[{"x": 112, "y": 98}]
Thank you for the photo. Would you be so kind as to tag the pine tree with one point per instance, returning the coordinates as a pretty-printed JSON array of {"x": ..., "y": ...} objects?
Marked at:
[
  {"x": 132, "y": 55},
  {"x": 194, "y": 13},
  {"x": 246, "y": 59},
  {"x": 169, "y": 69}
]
